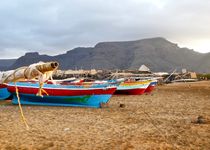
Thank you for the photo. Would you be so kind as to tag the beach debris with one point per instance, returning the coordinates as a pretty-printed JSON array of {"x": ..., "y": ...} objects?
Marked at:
[
  {"x": 122, "y": 105},
  {"x": 66, "y": 129},
  {"x": 200, "y": 120}
]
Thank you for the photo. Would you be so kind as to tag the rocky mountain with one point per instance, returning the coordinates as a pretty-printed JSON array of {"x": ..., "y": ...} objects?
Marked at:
[
  {"x": 156, "y": 53},
  {"x": 6, "y": 63}
]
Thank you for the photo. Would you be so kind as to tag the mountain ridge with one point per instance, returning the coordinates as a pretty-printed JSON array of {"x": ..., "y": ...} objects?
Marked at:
[{"x": 157, "y": 53}]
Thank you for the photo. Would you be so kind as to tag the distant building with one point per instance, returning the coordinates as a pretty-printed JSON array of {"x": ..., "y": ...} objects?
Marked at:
[
  {"x": 144, "y": 69},
  {"x": 93, "y": 72},
  {"x": 193, "y": 75},
  {"x": 184, "y": 70}
]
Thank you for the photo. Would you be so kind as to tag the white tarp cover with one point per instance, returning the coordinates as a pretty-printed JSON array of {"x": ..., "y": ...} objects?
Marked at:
[{"x": 41, "y": 70}]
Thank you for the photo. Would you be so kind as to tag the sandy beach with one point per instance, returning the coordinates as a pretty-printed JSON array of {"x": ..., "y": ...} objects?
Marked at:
[{"x": 164, "y": 119}]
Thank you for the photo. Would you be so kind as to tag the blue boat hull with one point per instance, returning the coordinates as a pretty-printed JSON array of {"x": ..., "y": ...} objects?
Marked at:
[
  {"x": 4, "y": 94},
  {"x": 76, "y": 101},
  {"x": 62, "y": 95}
]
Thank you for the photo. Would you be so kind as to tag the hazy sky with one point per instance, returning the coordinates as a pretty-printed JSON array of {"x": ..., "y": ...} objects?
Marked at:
[{"x": 54, "y": 26}]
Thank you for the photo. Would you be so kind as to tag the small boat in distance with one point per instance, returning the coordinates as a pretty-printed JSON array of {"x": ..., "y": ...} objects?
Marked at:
[
  {"x": 62, "y": 95},
  {"x": 132, "y": 87}
]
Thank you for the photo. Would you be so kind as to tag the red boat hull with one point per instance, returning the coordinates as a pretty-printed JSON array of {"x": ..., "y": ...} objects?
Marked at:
[
  {"x": 130, "y": 92},
  {"x": 149, "y": 89},
  {"x": 3, "y": 86},
  {"x": 64, "y": 92}
]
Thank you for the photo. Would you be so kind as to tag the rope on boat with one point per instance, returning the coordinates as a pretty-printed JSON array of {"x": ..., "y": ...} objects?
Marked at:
[
  {"x": 41, "y": 90},
  {"x": 20, "y": 107},
  {"x": 42, "y": 70}
]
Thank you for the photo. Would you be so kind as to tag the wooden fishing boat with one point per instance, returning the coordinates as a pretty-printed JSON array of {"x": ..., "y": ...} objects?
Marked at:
[
  {"x": 4, "y": 93},
  {"x": 132, "y": 87},
  {"x": 62, "y": 95},
  {"x": 151, "y": 86}
]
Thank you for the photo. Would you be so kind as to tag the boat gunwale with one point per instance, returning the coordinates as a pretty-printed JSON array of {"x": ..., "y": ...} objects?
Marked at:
[{"x": 61, "y": 88}]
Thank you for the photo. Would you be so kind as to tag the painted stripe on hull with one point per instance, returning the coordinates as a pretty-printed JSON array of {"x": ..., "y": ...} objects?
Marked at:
[
  {"x": 132, "y": 88},
  {"x": 59, "y": 86},
  {"x": 78, "y": 101},
  {"x": 64, "y": 92},
  {"x": 133, "y": 85},
  {"x": 130, "y": 83}
]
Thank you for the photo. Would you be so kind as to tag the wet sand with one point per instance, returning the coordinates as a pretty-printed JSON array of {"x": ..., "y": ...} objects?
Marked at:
[{"x": 164, "y": 119}]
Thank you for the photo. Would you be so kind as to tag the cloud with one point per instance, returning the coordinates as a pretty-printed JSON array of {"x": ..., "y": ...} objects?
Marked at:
[{"x": 52, "y": 27}]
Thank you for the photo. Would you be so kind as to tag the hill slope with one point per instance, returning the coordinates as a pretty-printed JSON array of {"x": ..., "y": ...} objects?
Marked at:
[{"x": 6, "y": 63}]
